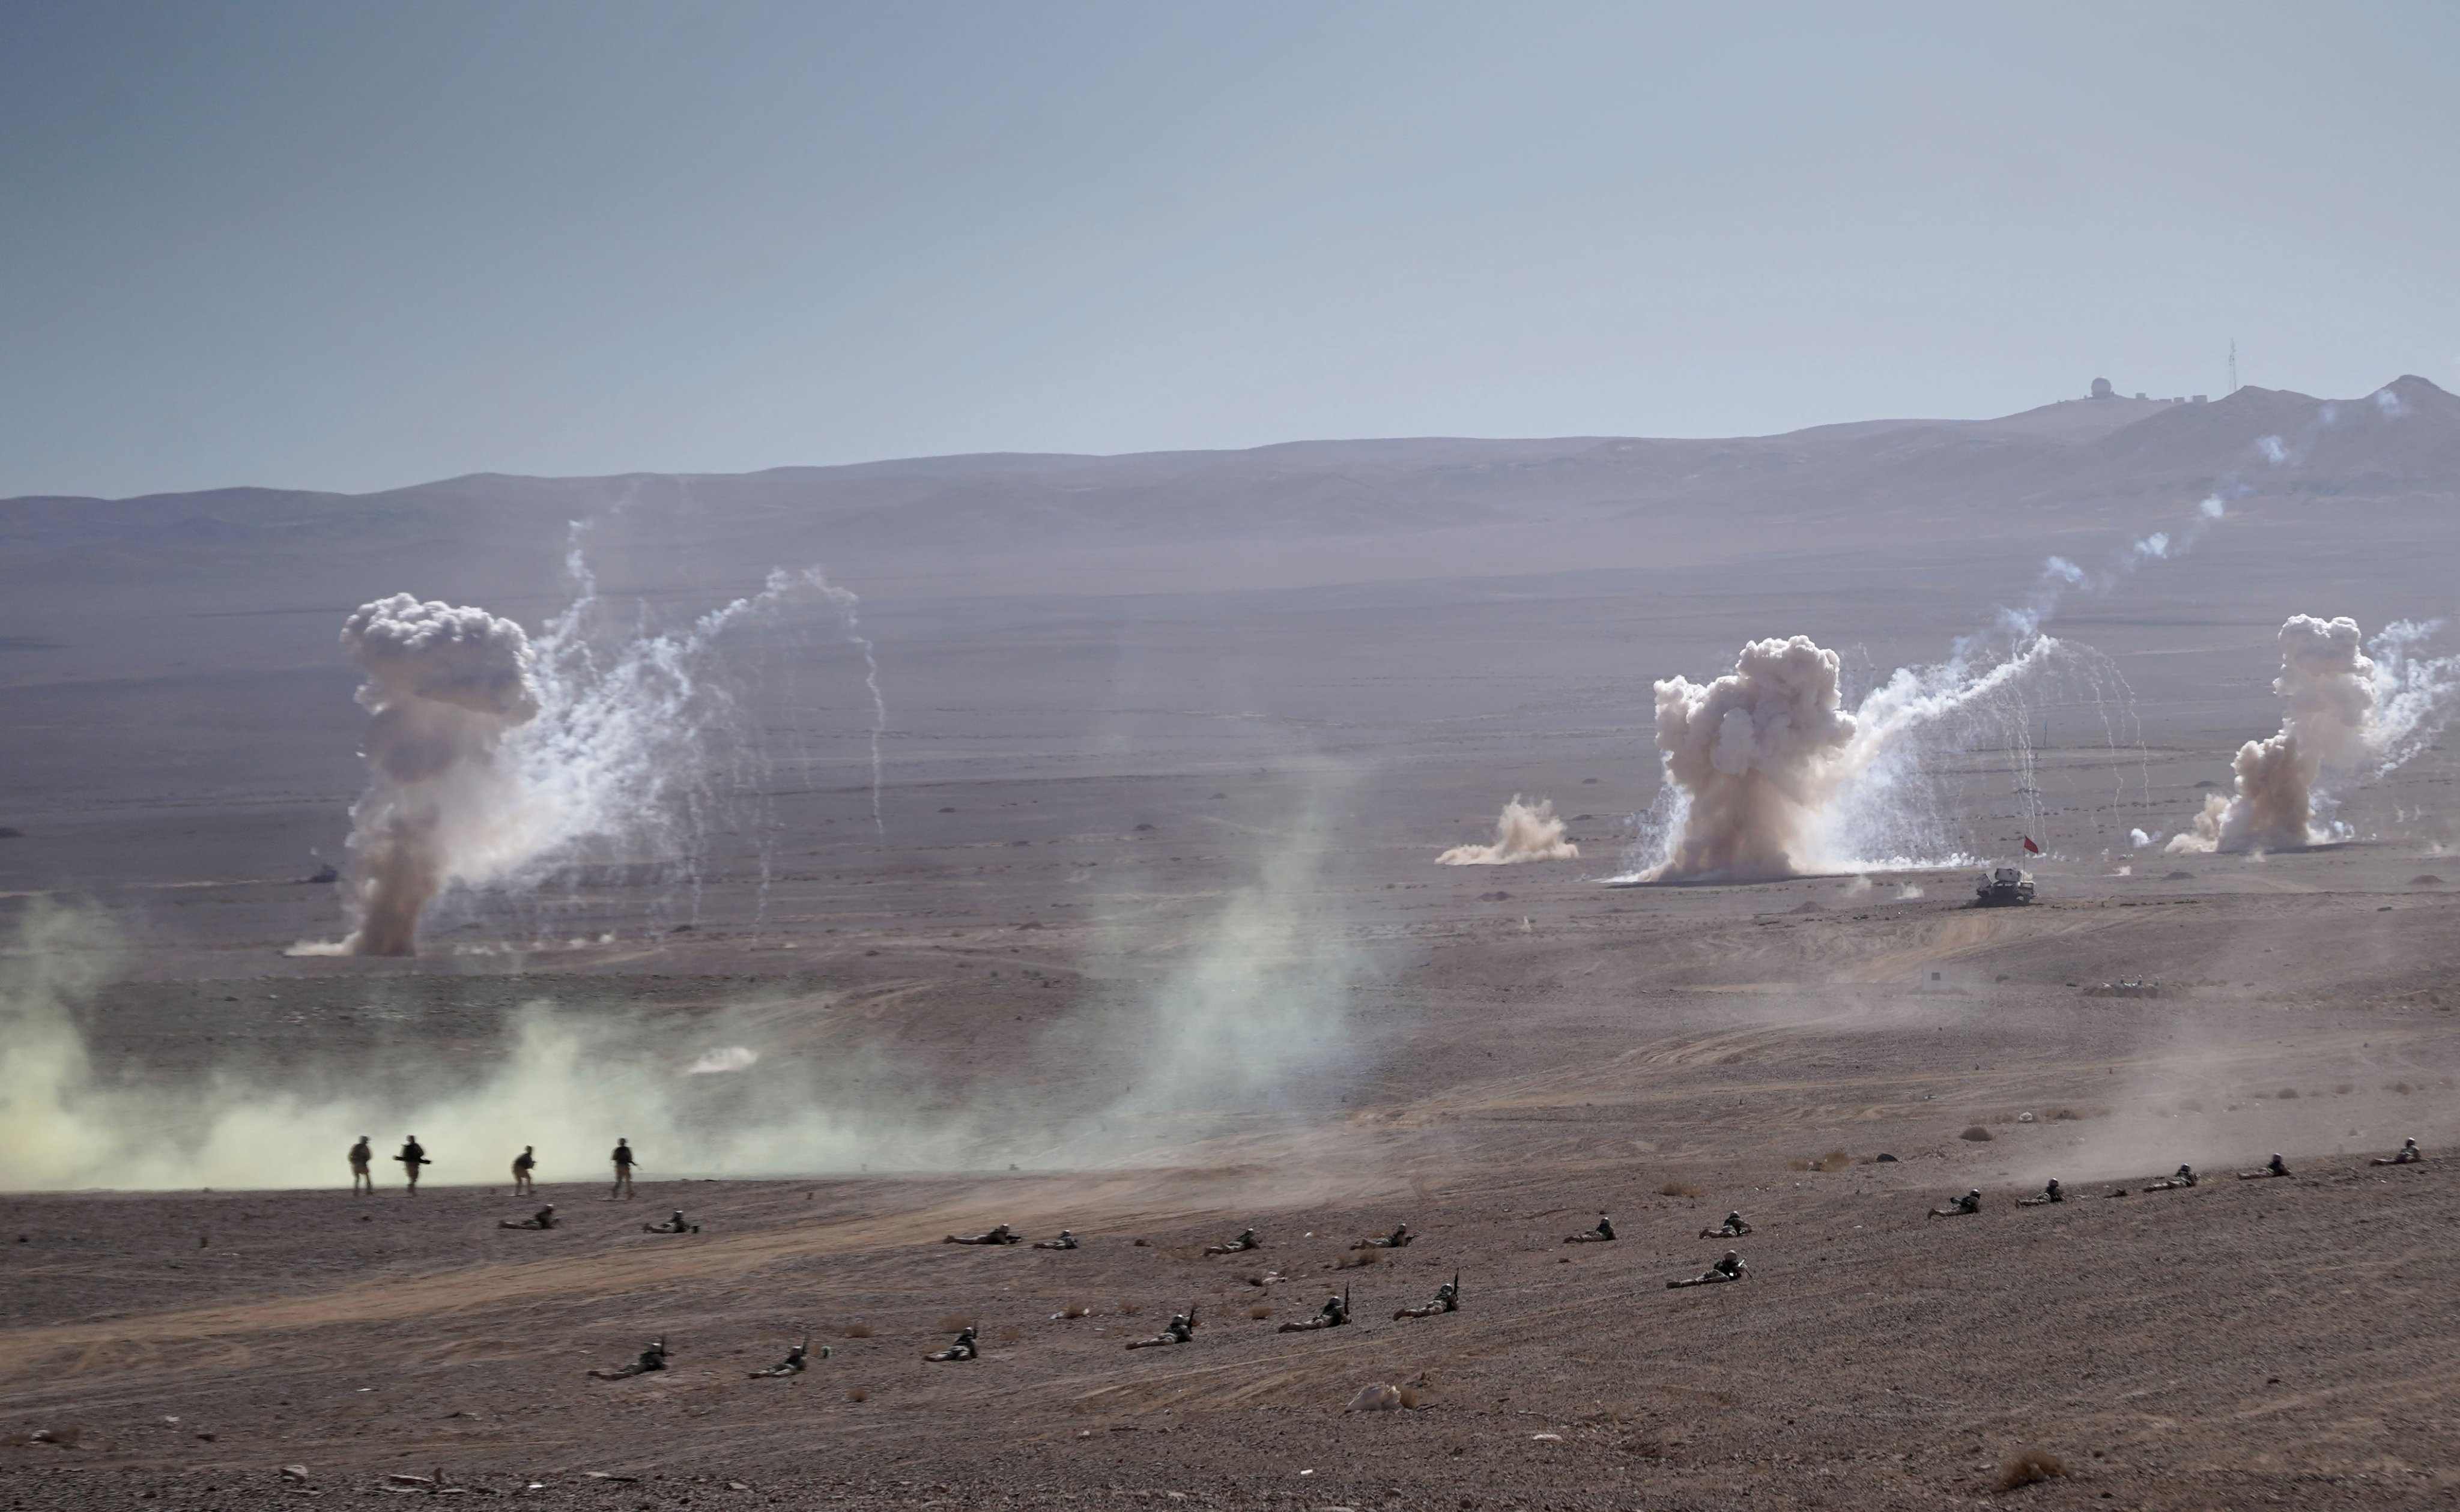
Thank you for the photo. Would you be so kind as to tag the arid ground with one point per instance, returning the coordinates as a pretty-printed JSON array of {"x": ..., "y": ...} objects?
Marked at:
[{"x": 1110, "y": 756}]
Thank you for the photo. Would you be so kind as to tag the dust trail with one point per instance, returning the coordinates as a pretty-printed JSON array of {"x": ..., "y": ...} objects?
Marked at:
[
  {"x": 1522, "y": 832},
  {"x": 600, "y": 746},
  {"x": 2349, "y": 715}
]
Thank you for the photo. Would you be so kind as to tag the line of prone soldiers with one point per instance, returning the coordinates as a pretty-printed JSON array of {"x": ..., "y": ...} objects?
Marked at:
[
  {"x": 1336, "y": 1310},
  {"x": 1182, "y": 1327},
  {"x": 2179, "y": 1180}
]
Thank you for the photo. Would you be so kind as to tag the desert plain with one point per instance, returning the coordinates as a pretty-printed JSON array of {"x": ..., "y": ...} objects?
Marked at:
[{"x": 1139, "y": 931}]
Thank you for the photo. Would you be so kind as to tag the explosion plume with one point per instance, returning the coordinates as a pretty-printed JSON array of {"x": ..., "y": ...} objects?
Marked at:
[
  {"x": 1768, "y": 776},
  {"x": 2348, "y": 714},
  {"x": 1522, "y": 832},
  {"x": 494, "y": 759},
  {"x": 444, "y": 687}
]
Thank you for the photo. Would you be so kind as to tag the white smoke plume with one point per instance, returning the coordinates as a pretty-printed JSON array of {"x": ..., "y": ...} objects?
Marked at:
[
  {"x": 1768, "y": 776},
  {"x": 495, "y": 760},
  {"x": 1523, "y": 832},
  {"x": 2348, "y": 714},
  {"x": 444, "y": 687}
]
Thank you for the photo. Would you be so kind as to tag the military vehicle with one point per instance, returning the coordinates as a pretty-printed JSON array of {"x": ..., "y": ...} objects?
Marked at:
[{"x": 2004, "y": 887}]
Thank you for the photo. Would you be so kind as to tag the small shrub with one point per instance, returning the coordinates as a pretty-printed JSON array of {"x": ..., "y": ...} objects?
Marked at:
[
  {"x": 2401, "y": 1087},
  {"x": 954, "y": 1323},
  {"x": 2064, "y": 1115},
  {"x": 1681, "y": 1189},
  {"x": 856, "y": 1331},
  {"x": 2286, "y": 1094},
  {"x": 1412, "y": 1399},
  {"x": 1130, "y": 1309},
  {"x": 1077, "y": 1309},
  {"x": 2342, "y": 1090},
  {"x": 1976, "y": 1134},
  {"x": 1359, "y": 1257},
  {"x": 2029, "y": 1467},
  {"x": 1260, "y": 1310},
  {"x": 1010, "y": 1334},
  {"x": 1836, "y": 1160},
  {"x": 861, "y": 1393}
]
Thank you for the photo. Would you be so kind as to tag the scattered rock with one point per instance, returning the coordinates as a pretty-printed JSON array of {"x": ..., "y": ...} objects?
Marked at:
[
  {"x": 296, "y": 1475},
  {"x": 1883, "y": 1158}
]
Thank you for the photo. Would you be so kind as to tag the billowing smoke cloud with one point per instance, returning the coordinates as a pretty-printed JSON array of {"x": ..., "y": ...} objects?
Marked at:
[
  {"x": 444, "y": 687},
  {"x": 494, "y": 760},
  {"x": 1767, "y": 776},
  {"x": 2347, "y": 715},
  {"x": 1523, "y": 832},
  {"x": 1755, "y": 755}
]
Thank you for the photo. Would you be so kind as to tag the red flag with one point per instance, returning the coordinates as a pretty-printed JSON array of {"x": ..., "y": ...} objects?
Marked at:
[{"x": 2031, "y": 848}]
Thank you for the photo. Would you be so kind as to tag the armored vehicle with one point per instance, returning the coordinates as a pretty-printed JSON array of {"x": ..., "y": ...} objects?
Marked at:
[{"x": 2004, "y": 887}]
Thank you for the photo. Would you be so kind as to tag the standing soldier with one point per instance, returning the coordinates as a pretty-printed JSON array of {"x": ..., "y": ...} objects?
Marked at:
[
  {"x": 412, "y": 1156},
  {"x": 623, "y": 1158},
  {"x": 360, "y": 1180},
  {"x": 522, "y": 1165}
]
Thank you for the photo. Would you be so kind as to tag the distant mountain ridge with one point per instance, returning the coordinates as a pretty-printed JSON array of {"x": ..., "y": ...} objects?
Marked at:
[{"x": 2075, "y": 461}]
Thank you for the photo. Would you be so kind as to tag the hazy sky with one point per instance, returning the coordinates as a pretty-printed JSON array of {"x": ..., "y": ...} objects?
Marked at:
[{"x": 357, "y": 246}]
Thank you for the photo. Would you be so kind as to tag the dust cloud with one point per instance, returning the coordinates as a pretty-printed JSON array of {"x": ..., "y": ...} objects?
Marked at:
[
  {"x": 1523, "y": 832},
  {"x": 567, "y": 1082}
]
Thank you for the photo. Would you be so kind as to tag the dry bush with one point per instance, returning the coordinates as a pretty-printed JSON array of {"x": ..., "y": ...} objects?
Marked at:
[
  {"x": 2342, "y": 1090},
  {"x": 1681, "y": 1189},
  {"x": 2401, "y": 1087},
  {"x": 860, "y": 1394},
  {"x": 856, "y": 1331},
  {"x": 1359, "y": 1257},
  {"x": 1260, "y": 1310},
  {"x": 2029, "y": 1467},
  {"x": 955, "y": 1323},
  {"x": 2286, "y": 1094},
  {"x": 2064, "y": 1115},
  {"x": 1077, "y": 1309},
  {"x": 2259, "y": 1095},
  {"x": 1413, "y": 1398},
  {"x": 1130, "y": 1309},
  {"x": 1836, "y": 1160},
  {"x": 1009, "y": 1334},
  {"x": 1976, "y": 1134}
]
